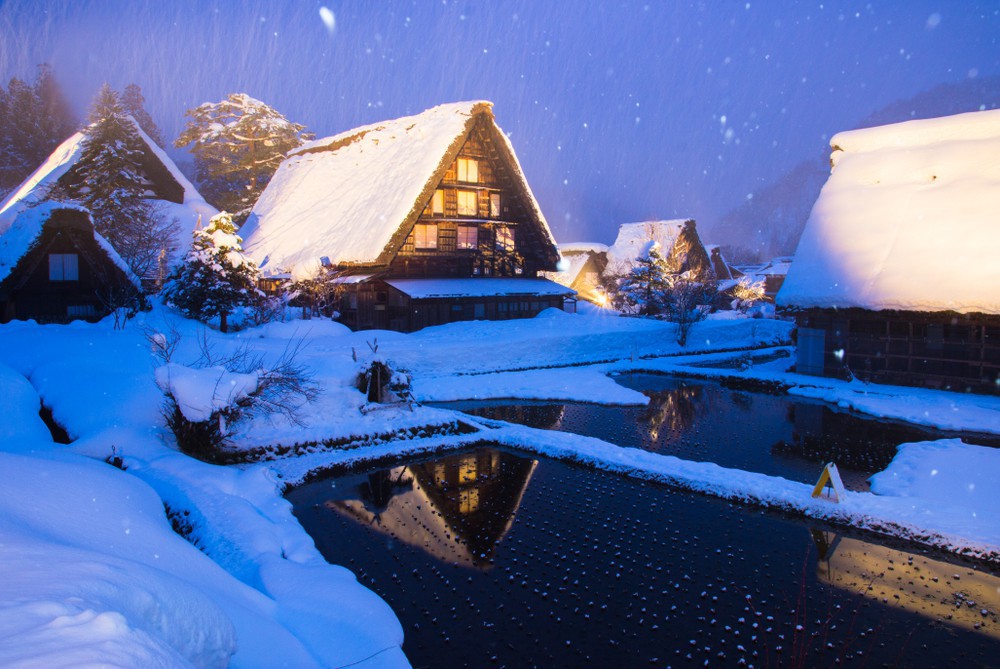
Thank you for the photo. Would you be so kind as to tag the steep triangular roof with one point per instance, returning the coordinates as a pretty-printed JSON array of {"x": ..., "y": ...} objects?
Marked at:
[
  {"x": 353, "y": 198},
  {"x": 24, "y": 233},
  {"x": 35, "y": 188},
  {"x": 906, "y": 221}
]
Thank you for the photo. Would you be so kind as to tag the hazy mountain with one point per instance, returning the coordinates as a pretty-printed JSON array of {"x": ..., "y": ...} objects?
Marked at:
[{"x": 769, "y": 223}]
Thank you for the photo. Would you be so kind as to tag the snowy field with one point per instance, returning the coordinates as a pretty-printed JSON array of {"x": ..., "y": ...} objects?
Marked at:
[{"x": 95, "y": 573}]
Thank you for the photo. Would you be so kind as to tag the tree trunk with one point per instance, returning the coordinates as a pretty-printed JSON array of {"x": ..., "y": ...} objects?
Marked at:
[{"x": 223, "y": 322}]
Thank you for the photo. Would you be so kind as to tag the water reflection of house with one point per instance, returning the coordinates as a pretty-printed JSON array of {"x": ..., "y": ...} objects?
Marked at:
[
  {"x": 915, "y": 583},
  {"x": 456, "y": 508}
]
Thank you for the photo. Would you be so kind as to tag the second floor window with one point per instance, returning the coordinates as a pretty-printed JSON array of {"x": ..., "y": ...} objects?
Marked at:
[
  {"x": 64, "y": 267},
  {"x": 468, "y": 170},
  {"x": 468, "y": 204},
  {"x": 437, "y": 202},
  {"x": 505, "y": 238},
  {"x": 425, "y": 236},
  {"x": 468, "y": 237}
]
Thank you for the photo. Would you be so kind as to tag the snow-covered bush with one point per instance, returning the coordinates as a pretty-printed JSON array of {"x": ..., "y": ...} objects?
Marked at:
[
  {"x": 216, "y": 277},
  {"x": 746, "y": 293},
  {"x": 205, "y": 401}
]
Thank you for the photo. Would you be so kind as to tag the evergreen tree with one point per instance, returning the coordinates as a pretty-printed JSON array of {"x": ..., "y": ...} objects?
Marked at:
[
  {"x": 134, "y": 104},
  {"x": 111, "y": 183},
  {"x": 216, "y": 277},
  {"x": 644, "y": 286},
  {"x": 238, "y": 144},
  {"x": 33, "y": 121}
]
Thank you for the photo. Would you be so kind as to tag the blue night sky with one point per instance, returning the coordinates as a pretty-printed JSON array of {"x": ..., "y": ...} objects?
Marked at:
[{"x": 619, "y": 111}]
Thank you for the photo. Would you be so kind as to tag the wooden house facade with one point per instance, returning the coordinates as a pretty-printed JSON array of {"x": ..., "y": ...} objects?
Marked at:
[
  {"x": 172, "y": 195},
  {"x": 54, "y": 268},
  {"x": 896, "y": 278},
  {"x": 429, "y": 220}
]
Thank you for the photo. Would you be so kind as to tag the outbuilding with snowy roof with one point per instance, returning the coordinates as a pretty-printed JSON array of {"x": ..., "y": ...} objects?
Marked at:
[
  {"x": 439, "y": 196},
  {"x": 896, "y": 277},
  {"x": 54, "y": 268},
  {"x": 168, "y": 189}
]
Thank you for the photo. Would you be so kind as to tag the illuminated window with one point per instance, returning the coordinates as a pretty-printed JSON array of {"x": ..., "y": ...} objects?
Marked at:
[
  {"x": 468, "y": 203},
  {"x": 494, "y": 205},
  {"x": 468, "y": 170},
  {"x": 425, "y": 236},
  {"x": 64, "y": 267},
  {"x": 437, "y": 202},
  {"x": 468, "y": 501},
  {"x": 468, "y": 237},
  {"x": 504, "y": 238}
]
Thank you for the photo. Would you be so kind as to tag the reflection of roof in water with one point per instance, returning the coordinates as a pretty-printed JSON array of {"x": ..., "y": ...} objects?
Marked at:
[
  {"x": 951, "y": 594},
  {"x": 458, "y": 510}
]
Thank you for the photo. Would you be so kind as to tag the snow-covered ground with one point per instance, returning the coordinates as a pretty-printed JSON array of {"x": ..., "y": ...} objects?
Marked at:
[{"x": 94, "y": 572}]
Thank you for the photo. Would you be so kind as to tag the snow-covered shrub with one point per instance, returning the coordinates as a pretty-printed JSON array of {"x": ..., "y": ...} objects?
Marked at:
[
  {"x": 746, "y": 293},
  {"x": 216, "y": 277},
  {"x": 206, "y": 401}
]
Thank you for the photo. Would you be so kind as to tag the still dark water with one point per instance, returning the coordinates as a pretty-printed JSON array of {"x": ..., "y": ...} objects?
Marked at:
[
  {"x": 491, "y": 559},
  {"x": 706, "y": 422}
]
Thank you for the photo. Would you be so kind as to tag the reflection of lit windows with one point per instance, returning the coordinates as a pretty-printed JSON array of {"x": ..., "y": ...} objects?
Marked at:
[
  {"x": 468, "y": 170},
  {"x": 468, "y": 501},
  {"x": 64, "y": 267},
  {"x": 467, "y": 470},
  {"x": 505, "y": 238},
  {"x": 425, "y": 236},
  {"x": 494, "y": 205},
  {"x": 468, "y": 204},
  {"x": 468, "y": 237},
  {"x": 437, "y": 202}
]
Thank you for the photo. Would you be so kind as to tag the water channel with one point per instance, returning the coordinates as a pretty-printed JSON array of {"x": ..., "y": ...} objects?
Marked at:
[{"x": 492, "y": 558}]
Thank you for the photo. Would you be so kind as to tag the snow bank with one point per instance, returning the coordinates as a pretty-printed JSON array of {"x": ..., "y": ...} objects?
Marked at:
[{"x": 907, "y": 220}]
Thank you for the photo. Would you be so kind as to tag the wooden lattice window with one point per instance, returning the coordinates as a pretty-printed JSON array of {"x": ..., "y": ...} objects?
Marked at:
[
  {"x": 468, "y": 203},
  {"x": 468, "y": 170},
  {"x": 425, "y": 236},
  {"x": 64, "y": 267}
]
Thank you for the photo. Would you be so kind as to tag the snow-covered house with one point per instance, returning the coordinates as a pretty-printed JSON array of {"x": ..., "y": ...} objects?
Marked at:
[
  {"x": 174, "y": 196},
  {"x": 428, "y": 219},
  {"x": 897, "y": 274},
  {"x": 581, "y": 267},
  {"x": 55, "y": 268},
  {"x": 679, "y": 244}
]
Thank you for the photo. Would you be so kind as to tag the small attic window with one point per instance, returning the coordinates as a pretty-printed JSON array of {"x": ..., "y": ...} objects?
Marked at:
[
  {"x": 64, "y": 267},
  {"x": 437, "y": 202},
  {"x": 468, "y": 170}
]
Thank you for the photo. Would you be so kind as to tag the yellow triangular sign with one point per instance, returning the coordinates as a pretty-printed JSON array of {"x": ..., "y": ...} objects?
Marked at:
[{"x": 831, "y": 477}]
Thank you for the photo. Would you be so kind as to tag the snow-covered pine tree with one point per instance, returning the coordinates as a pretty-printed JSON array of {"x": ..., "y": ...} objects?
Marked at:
[
  {"x": 111, "y": 183},
  {"x": 216, "y": 277},
  {"x": 238, "y": 144},
  {"x": 644, "y": 286},
  {"x": 134, "y": 104}
]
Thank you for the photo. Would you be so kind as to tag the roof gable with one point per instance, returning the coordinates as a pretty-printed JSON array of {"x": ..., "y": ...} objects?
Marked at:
[
  {"x": 24, "y": 234},
  {"x": 906, "y": 220},
  {"x": 353, "y": 198}
]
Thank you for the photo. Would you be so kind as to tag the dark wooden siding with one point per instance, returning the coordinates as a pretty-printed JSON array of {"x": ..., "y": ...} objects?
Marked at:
[{"x": 937, "y": 350}]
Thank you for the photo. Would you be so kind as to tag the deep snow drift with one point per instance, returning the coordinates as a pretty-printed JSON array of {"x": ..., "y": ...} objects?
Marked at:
[{"x": 118, "y": 585}]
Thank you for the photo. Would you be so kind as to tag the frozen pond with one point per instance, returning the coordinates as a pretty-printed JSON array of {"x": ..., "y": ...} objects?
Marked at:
[
  {"x": 490, "y": 558},
  {"x": 704, "y": 421}
]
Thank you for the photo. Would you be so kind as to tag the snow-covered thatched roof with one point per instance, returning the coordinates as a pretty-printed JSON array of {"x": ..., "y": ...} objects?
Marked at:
[
  {"x": 352, "y": 198},
  {"x": 634, "y": 239},
  {"x": 572, "y": 259},
  {"x": 908, "y": 220},
  {"x": 22, "y": 234},
  {"x": 36, "y": 188}
]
